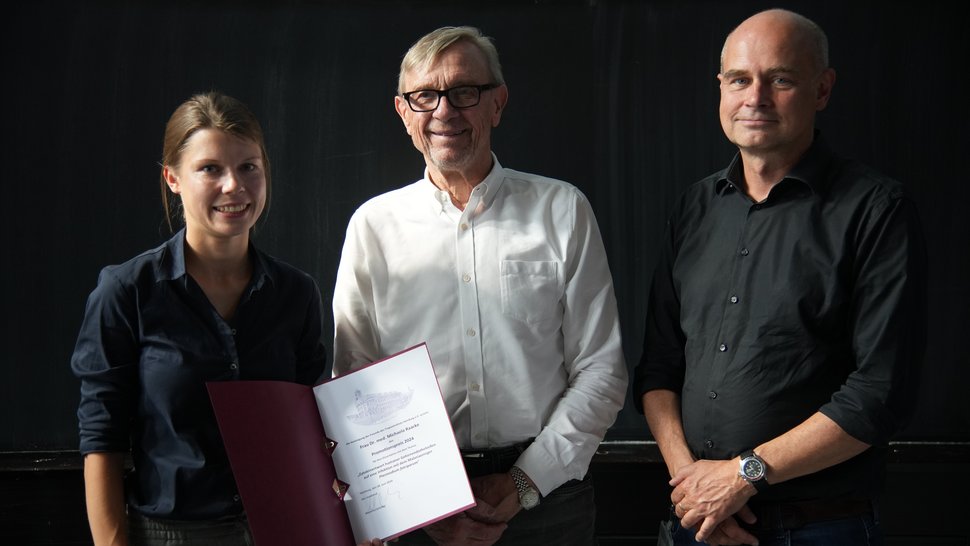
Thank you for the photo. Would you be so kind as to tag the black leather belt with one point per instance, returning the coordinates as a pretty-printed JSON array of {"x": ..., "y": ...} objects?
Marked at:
[
  {"x": 792, "y": 515},
  {"x": 479, "y": 462}
]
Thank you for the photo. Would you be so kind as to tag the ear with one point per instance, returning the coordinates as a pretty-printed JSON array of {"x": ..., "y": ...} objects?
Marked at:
[
  {"x": 823, "y": 90},
  {"x": 403, "y": 110},
  {"x": 173, "y": 182},
  {"x": 500, "y": 97}
]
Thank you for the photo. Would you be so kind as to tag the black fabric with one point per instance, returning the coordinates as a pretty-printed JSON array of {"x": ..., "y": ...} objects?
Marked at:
[
  {"x": 150, "y": 340},
  {"x": 492, "y": 461},
  {"x": 762, "y": 314},
  {"x": 795, "y": 515}
]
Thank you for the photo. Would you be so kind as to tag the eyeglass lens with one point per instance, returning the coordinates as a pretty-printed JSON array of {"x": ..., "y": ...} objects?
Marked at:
[{"x": 426, "y": 100}]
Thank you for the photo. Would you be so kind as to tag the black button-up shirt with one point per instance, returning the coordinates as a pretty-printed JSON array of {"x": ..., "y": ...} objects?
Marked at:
[
  {"x": 150, "y": 340},
  {"x": 762, "y": 314}
]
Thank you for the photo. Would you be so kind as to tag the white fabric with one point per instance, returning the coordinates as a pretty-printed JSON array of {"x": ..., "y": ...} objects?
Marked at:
[{"x": 515, "y": 300}]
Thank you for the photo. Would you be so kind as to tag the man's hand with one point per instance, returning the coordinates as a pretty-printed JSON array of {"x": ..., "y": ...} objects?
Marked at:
[
  {"x": 483, "y": 524},
  {"x": 499, "y": 494},
  {"x": 730, "y": 533},
  {"x": 461, "y": 529},
  {"x": 706, "y": 494}
]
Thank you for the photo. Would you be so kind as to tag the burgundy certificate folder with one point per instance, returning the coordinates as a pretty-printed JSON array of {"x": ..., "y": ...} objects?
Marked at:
[
  {"x": 279, "y": 456},
  {"x": 370, "y": 454}
]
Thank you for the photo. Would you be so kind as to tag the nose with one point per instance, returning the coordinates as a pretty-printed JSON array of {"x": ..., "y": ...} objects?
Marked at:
[
  {"x": 230, "y": 183},
  {"x": 445, "y": 110},
  {"x": 758, "y": 93}
]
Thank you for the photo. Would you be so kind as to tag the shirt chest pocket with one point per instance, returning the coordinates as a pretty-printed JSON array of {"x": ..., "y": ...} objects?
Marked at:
[{"x": 531, "y": 291}]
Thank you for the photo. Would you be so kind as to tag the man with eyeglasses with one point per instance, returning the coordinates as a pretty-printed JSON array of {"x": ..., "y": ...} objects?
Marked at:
[{"x": 504, "y": 274}]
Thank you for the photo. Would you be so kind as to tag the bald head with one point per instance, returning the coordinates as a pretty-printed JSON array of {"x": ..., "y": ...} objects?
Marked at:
[{"x": 801, "y": 33}]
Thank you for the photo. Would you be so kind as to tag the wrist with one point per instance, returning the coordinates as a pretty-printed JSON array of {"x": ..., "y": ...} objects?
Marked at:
[
  {"x": 754, "y": 470},
  {"x": 529, "y": 496}
]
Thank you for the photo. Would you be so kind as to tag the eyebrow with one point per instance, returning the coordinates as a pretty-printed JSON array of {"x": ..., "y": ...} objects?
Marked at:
[
  {"x": 772, "y": 70},
  {"x": 460, "y": 83},
  {"x": 213, "y": 160}
]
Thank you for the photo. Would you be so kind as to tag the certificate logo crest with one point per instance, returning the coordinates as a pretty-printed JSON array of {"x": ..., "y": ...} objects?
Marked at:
[{"x": 374, "y": 408}]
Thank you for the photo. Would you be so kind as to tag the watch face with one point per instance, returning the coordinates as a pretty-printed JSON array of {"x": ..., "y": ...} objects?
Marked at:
[
  {"x": 529, "y": 499},
  {"x": 753, "y": 469}
]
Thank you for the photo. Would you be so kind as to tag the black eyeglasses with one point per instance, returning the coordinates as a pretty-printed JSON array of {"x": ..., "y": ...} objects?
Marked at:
[{"x": 463, "y": 96}]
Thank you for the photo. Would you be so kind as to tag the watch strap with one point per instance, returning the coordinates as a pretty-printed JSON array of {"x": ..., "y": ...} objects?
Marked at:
[{"x": 524, "y": 488}]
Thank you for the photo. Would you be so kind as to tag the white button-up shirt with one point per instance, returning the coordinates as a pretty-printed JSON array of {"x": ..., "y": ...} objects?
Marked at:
[{"x": 515, "y": 300}]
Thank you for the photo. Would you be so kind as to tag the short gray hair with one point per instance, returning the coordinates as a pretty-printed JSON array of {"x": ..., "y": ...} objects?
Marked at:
[{"x": 431, "y": 45}]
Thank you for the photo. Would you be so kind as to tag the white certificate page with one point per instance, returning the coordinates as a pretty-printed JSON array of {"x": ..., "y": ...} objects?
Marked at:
[{"x": 395, "y": 447}]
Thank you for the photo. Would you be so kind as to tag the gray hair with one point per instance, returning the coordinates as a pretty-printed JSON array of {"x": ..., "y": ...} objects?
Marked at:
[{"x": 431, "y": 45}]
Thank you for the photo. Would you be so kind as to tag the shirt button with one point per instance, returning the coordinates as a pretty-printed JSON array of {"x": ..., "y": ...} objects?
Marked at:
[
  {"x": 722, "y": 347},
  {"x": 464, "y": 226},
  {"x": 466, "y": 277},
  {"x": 709, "y": 443},
  {"x": 233, "y": 331},
  {"x": 757, "y": 207},
  {"x": 235, "y": 498},
  {"x": 744, "y": 252},
  {"x": 233, "y": 365},
  {"x": 471, "y": 332},
  {"x": 474, "y": 387},
  {"x": 734, "y": 299},
  {"x": 712, "y": 395}
]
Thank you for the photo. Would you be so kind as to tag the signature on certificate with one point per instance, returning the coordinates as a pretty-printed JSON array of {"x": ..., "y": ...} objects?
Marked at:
[{"x": 379, "y": 496}]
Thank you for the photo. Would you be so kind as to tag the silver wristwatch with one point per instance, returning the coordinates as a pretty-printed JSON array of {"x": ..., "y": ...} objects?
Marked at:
[
  {"x": 753, "y": 470},
  {"x": 528, "y": 496}
]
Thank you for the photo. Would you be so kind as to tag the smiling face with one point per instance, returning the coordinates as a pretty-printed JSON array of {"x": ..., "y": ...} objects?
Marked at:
[
  {"x": 771, "y": 86},
  {"x": 452, "y": 140},
  {"x": 221, "y": 180}
]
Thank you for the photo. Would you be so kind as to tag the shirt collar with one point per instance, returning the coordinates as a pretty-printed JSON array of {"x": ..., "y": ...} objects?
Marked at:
[
  {"x": 483, "y": 194},
  {"x": 810, "y": 169},
  {"x": 172, "y": 264}
]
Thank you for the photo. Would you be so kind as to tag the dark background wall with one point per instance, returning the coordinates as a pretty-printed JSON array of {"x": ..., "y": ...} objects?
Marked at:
[{"x": 617, "y": 97}]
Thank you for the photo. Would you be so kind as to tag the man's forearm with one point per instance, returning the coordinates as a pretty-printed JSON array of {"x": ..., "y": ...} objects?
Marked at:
[
  {"x": 662, "y": 410},
  {"x": 816, "y": 444}
]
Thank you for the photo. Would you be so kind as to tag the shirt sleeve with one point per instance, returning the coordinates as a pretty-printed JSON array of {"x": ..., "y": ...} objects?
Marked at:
[
  {"x": 593, "y": 360},
  {"x": 105, "y": 359},
  {"x": 887, "y": 325},
  {"x": 356, "y": 339},
  {"x": 663, "y": 362},
  {"x": 312, "y": 356}
]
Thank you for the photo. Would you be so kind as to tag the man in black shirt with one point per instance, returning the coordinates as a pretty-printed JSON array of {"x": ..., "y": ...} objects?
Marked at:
[{"x": 786, "y": 318}]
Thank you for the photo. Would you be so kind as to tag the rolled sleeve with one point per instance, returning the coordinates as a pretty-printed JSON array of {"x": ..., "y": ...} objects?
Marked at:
[
  {"x": 889, "y": 334},
  {"x": 662, "y": 362},
  {"x": 105, "y": 359},
  {"x": 312, "y": 355}
]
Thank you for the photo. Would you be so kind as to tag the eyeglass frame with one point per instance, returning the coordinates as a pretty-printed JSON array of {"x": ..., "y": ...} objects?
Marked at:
[{"x": 480, "y": 88}]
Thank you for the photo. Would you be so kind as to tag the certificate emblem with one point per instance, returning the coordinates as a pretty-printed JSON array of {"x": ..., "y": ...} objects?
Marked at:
[{"x": 374, "y": 408}]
